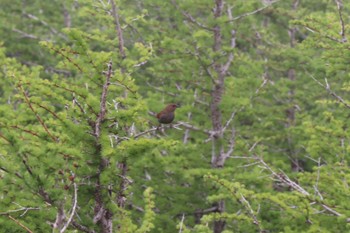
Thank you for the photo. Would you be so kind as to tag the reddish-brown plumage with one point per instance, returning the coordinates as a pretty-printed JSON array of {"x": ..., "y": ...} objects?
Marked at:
[{"x": 167, "y": 115}]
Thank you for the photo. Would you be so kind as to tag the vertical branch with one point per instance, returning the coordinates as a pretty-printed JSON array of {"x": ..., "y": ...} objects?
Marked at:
[
  {"x": 290, "y": 112},
  {"x": 218, "y": 88},
  {"x": 74, "y": 207},
  {"x": 67, "y": 17},
  {"x": 218, "y": 154},
  {"x": 342, "y": 25},
  {"x": 60, "y": 217},
  {"x": 102, "y": 113},
  {"x": 121, "y": 198},
  {"x": 102, "y": 215},
  {"x": 118, "y": 29}
]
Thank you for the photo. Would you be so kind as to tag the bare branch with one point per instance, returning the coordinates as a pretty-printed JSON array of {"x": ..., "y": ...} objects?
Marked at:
[
  {"x": 181, "y": 223},
  {"x": 342, "y": 25},
  {"x": 24, "y": 34},
  {"x": 75, "y": 101},
  {"x": 250, "y": 212},
  {"x": 103, "y": 110},
  {"x": 328, "y": 89},
  {"x": 232, "y": 143},
  {"x": 225, "y": 67},
  {"x": 317, "y": 192},
  {"x": 118, "y": 29},
  {"x": 53, "y": 30},
  {"x": 233, "y": 45},
  {"x": 314, "y": 30},
  {"x": 252, "y": 12},
  {"x": 75, "y": 201},
  {"x": 24, "y": 209},
  {"x": 282, "y": 177}
]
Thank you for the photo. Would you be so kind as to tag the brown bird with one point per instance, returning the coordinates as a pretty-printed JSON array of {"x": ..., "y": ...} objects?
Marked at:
[{"x": 167, "y": 115}]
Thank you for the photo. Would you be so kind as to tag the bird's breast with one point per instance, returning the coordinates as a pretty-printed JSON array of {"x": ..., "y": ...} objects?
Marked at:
[{"x": 165, "y": 118}]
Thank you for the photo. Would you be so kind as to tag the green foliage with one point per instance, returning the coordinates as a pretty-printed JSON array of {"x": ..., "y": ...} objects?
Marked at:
[{"x": 283, "y": 114}]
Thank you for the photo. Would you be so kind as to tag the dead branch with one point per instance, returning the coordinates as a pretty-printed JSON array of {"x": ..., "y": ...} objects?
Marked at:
[
  {"x": 181, "y": 223},
  {"x": 118, "y": 29},
  {"x": 328, "y": 89},
  {"x": 25, "y": 35},
  {"x": 342, "y": 25},
  {"x": 251, "y": 213},
  {"x": 252, "y": 12},
  {"x": 75, "y": 201},
  {"x": 24, "y": 209}
]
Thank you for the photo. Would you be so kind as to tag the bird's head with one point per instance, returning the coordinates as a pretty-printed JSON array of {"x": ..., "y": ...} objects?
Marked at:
[{"x": 172, "y": 107}]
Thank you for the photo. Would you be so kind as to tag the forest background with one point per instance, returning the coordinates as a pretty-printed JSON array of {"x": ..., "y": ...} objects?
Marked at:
[{"x": 259, "y": 144}]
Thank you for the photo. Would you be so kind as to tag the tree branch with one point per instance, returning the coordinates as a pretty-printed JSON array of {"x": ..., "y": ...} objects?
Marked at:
[
  {"x": 190, "y": 17},
  {"x": 81, "y": 227},
  {"x": 342, "y": 25},
  {"x": 20, "y": 224},
  {"x": 35, "y": 113},
  {"x": 118, "y": 29},
  {"x": 328, "y": 89},
  {"x": 252, "y": 12},
  {"x": 75, "y": 201},
  {"x": 103, "y": 110},
  {"x": 25, "y": 35},
  {"x": 24, "y": 209}
]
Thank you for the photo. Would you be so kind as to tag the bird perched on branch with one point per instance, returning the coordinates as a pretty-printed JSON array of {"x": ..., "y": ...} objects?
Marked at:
[{"x": 167, "y": 115}]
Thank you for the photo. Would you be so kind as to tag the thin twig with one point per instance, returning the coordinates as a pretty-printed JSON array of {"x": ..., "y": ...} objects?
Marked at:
[
  {"x": 20, "y": 224},
  {"x": 317, "y": 192},
  {"x": 232, "y": 143},
  {"x": 252, "y": 12},
  {"x": 233, "y": 45},
  {"x": 75, "y": 201},
  {"x": 314, "y": 30},
  {"x": 250, "y": 211},
  {"x": 35, "y": 113},
  {"x": 328, "y": 89},
  {"x": 24, "y": 209},
  {"x": 24, "y": 34},
  {"x": 181, "y": 223}
]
